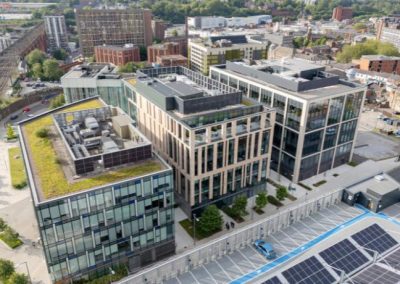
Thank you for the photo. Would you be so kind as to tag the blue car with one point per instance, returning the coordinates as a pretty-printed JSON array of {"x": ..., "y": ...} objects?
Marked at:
[{"x": 265, "y": 249}]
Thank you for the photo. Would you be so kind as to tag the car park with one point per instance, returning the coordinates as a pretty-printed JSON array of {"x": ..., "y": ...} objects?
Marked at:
[
  {"x": 14, "y": 116},
  {"x": 265, "y": 249}
]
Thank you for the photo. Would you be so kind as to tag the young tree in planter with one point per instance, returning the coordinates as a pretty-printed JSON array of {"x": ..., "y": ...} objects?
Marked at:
[
  {"x": 239, "y": 205},
  {"x": 10, "y": 132},
  {"x": 211, "y": 220},
  {"x": 281, "y": 193},
  {"x": 261, "y": 200},
  {"x": 6, "y": 269}
]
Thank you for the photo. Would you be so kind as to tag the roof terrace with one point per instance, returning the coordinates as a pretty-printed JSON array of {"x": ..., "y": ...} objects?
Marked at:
[{"x": 88, "y": 145}]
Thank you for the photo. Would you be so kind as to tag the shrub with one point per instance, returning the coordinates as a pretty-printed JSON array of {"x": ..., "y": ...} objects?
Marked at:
[
  {"x": 42, "y": 133},
  {"x": 239, "y": 206},
  {"x": 274, "y": 201},
  {"x": 335, "y": 175},
  {"x": 281, "y": 193},
  {"x": 352, "y": 163},
  {"x": 10, "y": 132},
  {"x": 3, "y": 225},
  {"x": 17, "y": 278},
  {"x": 261, "y": 200},
  {"x": 10, "y": 237},
  {"x": 6, "y": 269}
]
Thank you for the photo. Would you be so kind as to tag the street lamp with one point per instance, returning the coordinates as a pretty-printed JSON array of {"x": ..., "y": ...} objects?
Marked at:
[
  {"x": 27, "y": 269},
  {"x": 194, "y": 228}
]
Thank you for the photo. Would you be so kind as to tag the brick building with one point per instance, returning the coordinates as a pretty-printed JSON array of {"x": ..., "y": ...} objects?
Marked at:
[
  {"x": 388, "y": 30},
  {"x": 342, "y": 13},
  {"x": 172, "y": 60},
  {"x": 168, "y": 48},
  {"x": 380, "y": 63},
  {"x": 159, "y": 27},
  {"x": 113, "y": 27},
  {"x": 117, "y": 55}
]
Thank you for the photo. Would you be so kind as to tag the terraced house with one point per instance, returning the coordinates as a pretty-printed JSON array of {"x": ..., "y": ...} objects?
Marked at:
[
  {"x": 103, "y": 198},
  {"x": 317, "y": 113}
]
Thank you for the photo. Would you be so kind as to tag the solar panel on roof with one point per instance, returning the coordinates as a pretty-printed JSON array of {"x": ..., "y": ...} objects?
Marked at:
[
  {"x": 344, "y": 256},
  {"x": 309, "y": 271},
  {"x": 376, "y": 274},
  {"x": 273, "y": 280},
  {"x": 393, "y": 259},
  {"x": 374, "y": 238}
]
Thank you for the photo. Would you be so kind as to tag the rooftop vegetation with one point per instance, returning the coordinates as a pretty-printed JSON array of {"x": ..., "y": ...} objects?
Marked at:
[{"x": 48, "y": 168}]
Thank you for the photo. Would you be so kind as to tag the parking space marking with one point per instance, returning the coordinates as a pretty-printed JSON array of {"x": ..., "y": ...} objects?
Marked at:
[
  {"x": 252, "y": 264},
  {"x": 257, "y": 253},
  {"x": 223, "y": 270},
  {"x": 234, "y": 263},
  {"x": 290, "y": 238},
  {"x": 194, "y": 277},
  {"x": 308, "y": 227},
  {"x": 287, "y": 242},
  {"x": 177, "y": 279},
  {"x": 280, "y": 245},
  {"x": 328, "y": 220},
  {"x": 208, "y": 272},
  {"x": 342, "y": 218},
  {"x": 319, "y": 224},
  {"x": 304, "y": 236}
]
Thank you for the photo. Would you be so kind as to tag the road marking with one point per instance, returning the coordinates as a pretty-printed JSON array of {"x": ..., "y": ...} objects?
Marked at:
[
  {"x": 226, "y": 273},
  {"x": 296, "y": 243},
  {"x": 209, "y": 274},
  {"x": 342, "y": 218},
  {"x": 257, "y": 253},
  {"x": 307, "y": 238},
  {"x": 328, "y": 220},
  {"x": 252, "y": 264},
  {"x": 308, "y": 227},
  {"x": 280, "y": 244},
  {"x": 234, "y": 263},
  {"x": 194, "y": 277},
  {"x": 177, "y": 279},
  {"x": 319, "y": 224}
]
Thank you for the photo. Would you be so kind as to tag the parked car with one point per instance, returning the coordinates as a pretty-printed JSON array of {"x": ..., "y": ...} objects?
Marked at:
[
  {"x": 14, "y": 116},
  {"x": 26, "y": 109},
  {"x": 29, "y": 84},
  {"x": 30, "y": 115},
  {"x": 265, "y": 249}
]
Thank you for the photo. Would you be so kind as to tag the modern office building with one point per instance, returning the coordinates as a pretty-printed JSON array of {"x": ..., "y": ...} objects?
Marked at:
[
  {"x": 113, "y": 27},
  {"x": 388, "y": 30},
  {"x": 84, "y": 81},
  {"x": 218, "y": 49},
  {"x": 102, "y": 198},
  {"x": 380, "y": 63},
  {"x": 216, "y": 140},
  {"x": 342, "y": 13},
  {"x": 317, "y": 113},
  {"x": 56, "y": 32},
  {"x": 117, "y": 55}
]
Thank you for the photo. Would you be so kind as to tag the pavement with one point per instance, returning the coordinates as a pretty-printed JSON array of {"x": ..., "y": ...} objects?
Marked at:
[{"x": 16, "y": 208}]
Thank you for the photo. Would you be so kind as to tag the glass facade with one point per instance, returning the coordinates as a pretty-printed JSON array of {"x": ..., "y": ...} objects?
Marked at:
[{"x": 95, "y": 229}]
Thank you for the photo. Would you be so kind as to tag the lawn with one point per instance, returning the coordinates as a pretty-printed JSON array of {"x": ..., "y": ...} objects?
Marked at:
[
  {"x": 12, "y": 241},
  {"x": 188, "y": 226},
  {"x": 17, "y": 169},
  {"x": 50, "y": 173}
]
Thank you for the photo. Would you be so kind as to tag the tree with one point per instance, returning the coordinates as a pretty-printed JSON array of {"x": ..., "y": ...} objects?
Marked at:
[
  {"x": 35, "y": 56},
  {"x": 239, "y": 205},
  {"x": 211, "y": 220},
  {"x": 130, "y": 67},
  {"x": 174, "y": 33},
  {"x": 51, "y": 70},
  {"x": 37, "y": 71},
  {"x": 261, "y": 200},
  {"x": 57, "y": 101},
  {"x": 60, "y": 54},
  {"x": 281, "y": 193},
  {"x": 6, "y": 269},
  {"x": 368, "y": 47},
  {"x": 359, "y": 27},
  {"x": 17, "y": 278}
]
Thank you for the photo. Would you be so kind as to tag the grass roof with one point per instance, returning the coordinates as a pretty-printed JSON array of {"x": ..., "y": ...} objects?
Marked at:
[{"x": 51, "y": 178}]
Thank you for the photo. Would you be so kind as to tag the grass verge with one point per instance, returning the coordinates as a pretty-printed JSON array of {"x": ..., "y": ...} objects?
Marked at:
[
  {"x": 17, "y": 169},
  {"x": 9, "y": 236}
]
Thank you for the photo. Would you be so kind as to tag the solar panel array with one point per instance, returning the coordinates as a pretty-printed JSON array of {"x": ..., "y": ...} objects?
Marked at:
[
  {"x": 393, "y": 259},
  {"x": 374, "y": 238},
  {"x": 309, "y": 271},
  {"x": 376, "y": 274},
  {"x": 273, "y": 280},
  {"x": 344, "y": 256}
]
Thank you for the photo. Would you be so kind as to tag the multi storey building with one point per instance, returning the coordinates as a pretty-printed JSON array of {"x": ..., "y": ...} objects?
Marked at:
[
  {"x": 216, "y": 140},
  {"x": 388, "y": 30},
  {"x": 159, "y": 27},
  {"x": 103, "y": 199},
  {"x": 172, "y": 60},
  {"x": 380, "y": 63},
  {"x": 317, "y": 113},
  {"x": 168, "y": 48},
  {"x": 56, "y": 32},
  {"x": 342, "y": 13},
  {"x": 117, "y": 55},
  {"x": 113, "y": 27},
  {"x": 219, "y": 49}
]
